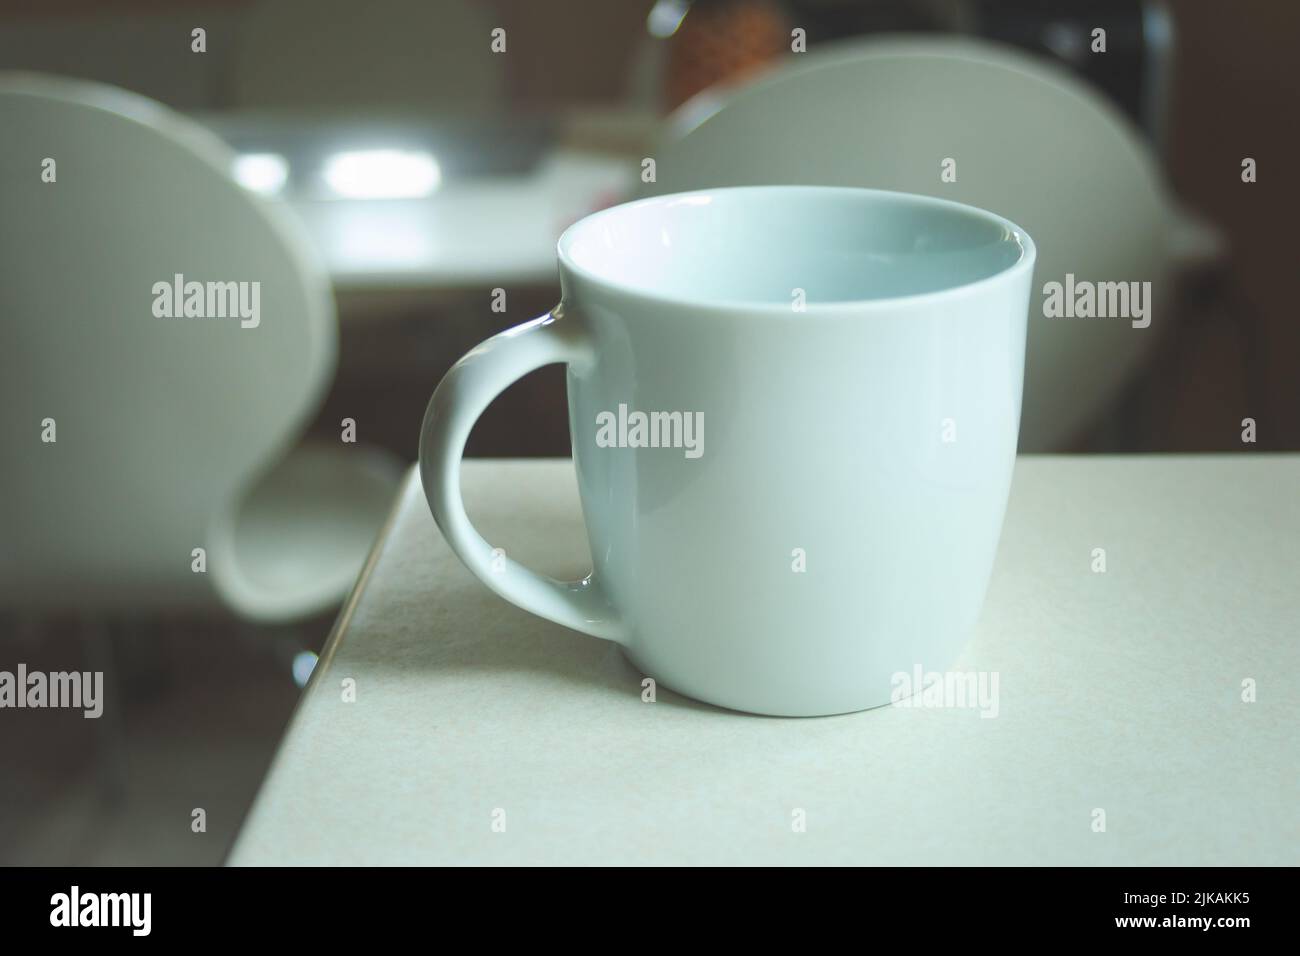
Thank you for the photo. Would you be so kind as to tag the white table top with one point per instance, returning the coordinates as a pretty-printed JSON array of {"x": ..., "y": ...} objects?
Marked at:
[
  {"x": 1120, "y": 691},
  {"x": 484, "y": 226}
]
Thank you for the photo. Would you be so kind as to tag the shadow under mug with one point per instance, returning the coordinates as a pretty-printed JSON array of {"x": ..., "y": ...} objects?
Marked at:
[{"x": 794, "y": 413}]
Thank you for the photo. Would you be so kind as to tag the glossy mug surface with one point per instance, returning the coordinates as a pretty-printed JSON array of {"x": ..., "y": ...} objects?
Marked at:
[{"x": 794, "y": 414}]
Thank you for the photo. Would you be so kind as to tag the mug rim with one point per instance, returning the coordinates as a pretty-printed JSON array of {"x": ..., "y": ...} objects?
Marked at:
[{"x": 1023, "y": 263}]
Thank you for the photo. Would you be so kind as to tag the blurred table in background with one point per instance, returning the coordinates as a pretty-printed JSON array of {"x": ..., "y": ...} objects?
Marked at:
[{"x": 438, "y": 205}]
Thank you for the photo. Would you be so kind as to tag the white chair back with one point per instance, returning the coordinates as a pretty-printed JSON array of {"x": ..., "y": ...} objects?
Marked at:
[
  {"x": 1017, "y": 135},
  {"x": 156, "y": 422}
]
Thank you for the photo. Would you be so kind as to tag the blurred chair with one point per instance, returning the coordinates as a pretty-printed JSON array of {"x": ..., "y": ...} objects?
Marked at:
[
  {"x": 133, "y": 440},
  {"x": 1026, "y": 140}
]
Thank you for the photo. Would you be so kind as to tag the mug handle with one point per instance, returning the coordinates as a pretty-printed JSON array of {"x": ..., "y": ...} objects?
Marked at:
[{"x": 462, "y": 395}]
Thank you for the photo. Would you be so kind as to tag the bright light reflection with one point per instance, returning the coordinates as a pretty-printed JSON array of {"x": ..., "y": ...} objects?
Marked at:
[
  {"x": 665, "y": 17},
  {"x": 304, "y": 662},
  {"x": 264, "y": 173},
  {"x": 382, "y": 174}
]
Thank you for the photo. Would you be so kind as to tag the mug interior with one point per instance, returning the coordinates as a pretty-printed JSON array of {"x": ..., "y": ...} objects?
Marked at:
[{"x": 755, "y": 246}]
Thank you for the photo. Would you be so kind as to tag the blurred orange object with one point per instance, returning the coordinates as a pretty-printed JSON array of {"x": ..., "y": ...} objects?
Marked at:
[{"x": 719, "y": 41}]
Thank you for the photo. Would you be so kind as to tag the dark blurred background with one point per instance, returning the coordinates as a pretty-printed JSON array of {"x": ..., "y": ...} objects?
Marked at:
[{"x": 553, "y": 129}]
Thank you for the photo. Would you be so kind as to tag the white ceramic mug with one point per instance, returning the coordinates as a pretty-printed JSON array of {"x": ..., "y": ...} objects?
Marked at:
[{"x": 794, "y": 413}]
